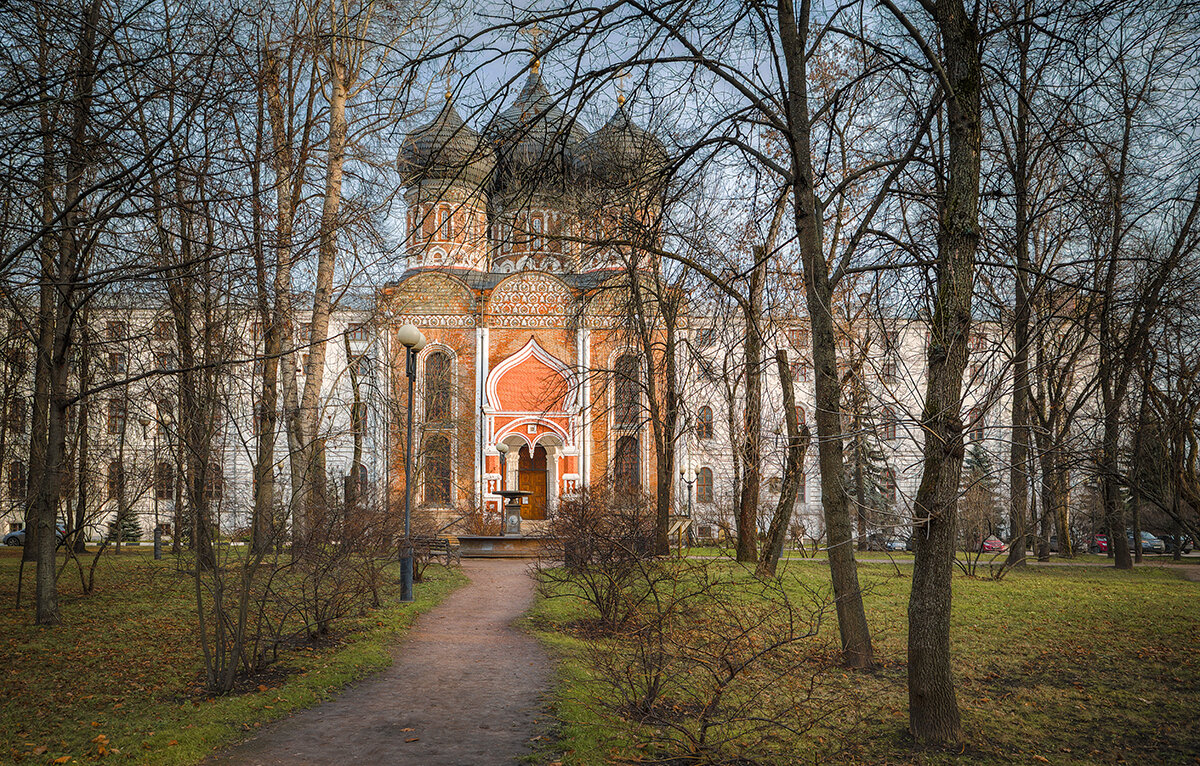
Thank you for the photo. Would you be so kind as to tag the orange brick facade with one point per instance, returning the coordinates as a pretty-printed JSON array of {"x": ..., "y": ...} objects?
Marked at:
[{"x": 530, "y": 367}]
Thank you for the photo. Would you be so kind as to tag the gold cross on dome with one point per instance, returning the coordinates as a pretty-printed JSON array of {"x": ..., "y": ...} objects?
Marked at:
[
  {"x": 534, "y": 33},
  {"x": 622, "y": 77}
]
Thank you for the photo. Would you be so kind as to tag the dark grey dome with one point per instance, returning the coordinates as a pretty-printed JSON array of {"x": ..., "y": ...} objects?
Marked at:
[
  {"x": 621, "y": 153},
  {"x": 445, "y": 149},
  {"x": 534, "y": 138}
]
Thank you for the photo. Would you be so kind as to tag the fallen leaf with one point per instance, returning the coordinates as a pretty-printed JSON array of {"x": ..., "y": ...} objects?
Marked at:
[
  {"x": 62, "y": 759},
  {"x": 412, "y": 739},
  {"x": 172, "y": 743}
]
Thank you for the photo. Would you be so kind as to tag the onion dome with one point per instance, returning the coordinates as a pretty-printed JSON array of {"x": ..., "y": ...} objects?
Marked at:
[
  {"x": 445, "y": 149},
  {"x": 534, "y": 138},
  {"x": 621, "y": 153}
]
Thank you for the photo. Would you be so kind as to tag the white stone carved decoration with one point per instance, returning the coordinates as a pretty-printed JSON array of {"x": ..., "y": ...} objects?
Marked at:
[
  {"x": 436, "y": 320},
  {"x": 530, "y": 300}
]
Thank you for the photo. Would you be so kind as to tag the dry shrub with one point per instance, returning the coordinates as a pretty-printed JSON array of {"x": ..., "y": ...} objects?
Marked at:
[
  {"x": 721, "y": 668},
  {"x": 605, "y": 544}
]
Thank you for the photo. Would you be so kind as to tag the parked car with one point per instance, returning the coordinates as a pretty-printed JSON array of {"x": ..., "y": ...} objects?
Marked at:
[
  {"x": 1184, "y": 543},
  {"x": 1099, "y": 544},
  {"x": 1150, "y": 543},
  {"x": 18, "y": 537},
  {"x": 993, "y": 544},
  {"x": 898, "y": 544},
  {"x": 877, "y": 542}
]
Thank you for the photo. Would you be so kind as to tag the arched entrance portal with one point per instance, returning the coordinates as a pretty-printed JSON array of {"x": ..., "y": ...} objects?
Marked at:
[{"x": 531, "y": 477}]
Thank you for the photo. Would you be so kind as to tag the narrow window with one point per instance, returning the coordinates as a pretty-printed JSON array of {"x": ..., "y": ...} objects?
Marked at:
[
  {"x": 625, "y": 392},
  {"x": 16, "y": 414},
  {"x": 704, "y": 423},
  {"x": 164, "y": 481},
  {"x": 116, "y": 416},
  {"x": 626, "y": 468},
  {"x": 889, "y": 423},
  {"x": 437, "y": 388},
  {"x": 975, "y": 419},
  {"x": 704, "y": 485},
  {"x": 17, "y": 480},
  {"x": 437, "y": 471},
  {"x": 116, "y": 480}
]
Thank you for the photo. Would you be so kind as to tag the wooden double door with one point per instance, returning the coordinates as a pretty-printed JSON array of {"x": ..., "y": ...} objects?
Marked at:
[{"x": 531, "y": 477}]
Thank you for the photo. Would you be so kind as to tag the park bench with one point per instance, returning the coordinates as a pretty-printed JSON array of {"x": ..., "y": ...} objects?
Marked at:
[{"x": 429, "y": 548}]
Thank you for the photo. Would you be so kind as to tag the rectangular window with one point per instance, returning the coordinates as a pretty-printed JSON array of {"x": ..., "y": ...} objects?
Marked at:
[
  {"x": 117, "y": 364},
  {"x": 115, "y": 331},
  {"x": 17, "y": 481},
  {"x": 16, "y": 414},
  {"x": 888, "y": 371},
  {"x": 798, "y": 336},
  {"x": 304, "y": 330},
  {"x": 357, "y": 332},
  {"x": 116, "y": 416},
  {"x": 162, "y": 330}
]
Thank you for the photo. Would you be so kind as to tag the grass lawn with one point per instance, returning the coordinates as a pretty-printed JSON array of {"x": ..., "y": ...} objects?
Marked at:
[
  {"x": 1060, "y": 665},
  {"x": 122, "y": 676}
]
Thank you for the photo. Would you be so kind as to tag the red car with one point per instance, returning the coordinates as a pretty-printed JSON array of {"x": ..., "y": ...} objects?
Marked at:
[
  {"x": 993, "y": 544},
  {"x": 1099, "y": 544}
]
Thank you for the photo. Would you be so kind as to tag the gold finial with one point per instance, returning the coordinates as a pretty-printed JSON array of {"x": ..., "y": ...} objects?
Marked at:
[
  {"x": 449, "y": 94},
  {"x": 621, "y": 78}
]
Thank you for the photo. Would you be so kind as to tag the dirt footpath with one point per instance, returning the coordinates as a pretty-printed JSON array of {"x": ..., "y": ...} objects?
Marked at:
[{"x": 465, "y": 689}]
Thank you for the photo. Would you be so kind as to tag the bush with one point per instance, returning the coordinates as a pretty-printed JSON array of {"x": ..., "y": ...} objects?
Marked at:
[{"x": 606, "y": 546}]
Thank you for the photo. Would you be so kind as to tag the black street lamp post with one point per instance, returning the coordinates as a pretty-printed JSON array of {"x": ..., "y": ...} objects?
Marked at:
[{"x": 413, "y": 341}]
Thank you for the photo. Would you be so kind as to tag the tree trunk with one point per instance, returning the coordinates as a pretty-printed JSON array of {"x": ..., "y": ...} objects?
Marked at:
[
  {"x": 852, "y": 621},
  {"x": 747, "y": 517},
  {"x": 1018, "y": 481},
  {"x": 82, "y": 435},
  {"x": 310, "y": 483},
  {"x": 933, "y": 707},
  {"x": 793, "y": 470},
  {"x": 66, "y": 280}
]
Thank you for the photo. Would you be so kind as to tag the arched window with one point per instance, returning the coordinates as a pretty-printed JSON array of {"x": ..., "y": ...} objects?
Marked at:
[
  {"x": 626, "y": 470},
  {"x": 437, "y": 470},
  {"x": 437, "y": 388},
  {"x": 704, "y": 485},
  {"x": 889, "y": 485},
  {"x": 539, "y": 244},
  {"x": 801, "y": 417},
  {"x": 625, "y": 392},
  {"x": 889, "y": 423},
  {"x": 975, "y": 422},
  {"x": 164, "y": 481},
  {"x": 116, "y": 479},
  {"x": 445, "y": 223},
  {"x": 704, "y": 423}
]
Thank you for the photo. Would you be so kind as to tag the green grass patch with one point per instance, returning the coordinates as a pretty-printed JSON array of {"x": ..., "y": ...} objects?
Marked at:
[
  {"x": 1061, "y": 665},
  {"x": 123, "y": 672}
]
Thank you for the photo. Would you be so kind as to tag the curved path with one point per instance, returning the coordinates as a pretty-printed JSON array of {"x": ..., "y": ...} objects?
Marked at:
[{"x": 465, "y": 689}]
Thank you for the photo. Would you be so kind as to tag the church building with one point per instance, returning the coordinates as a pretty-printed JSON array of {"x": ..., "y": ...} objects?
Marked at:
[{"x": 513, "y": 263}]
